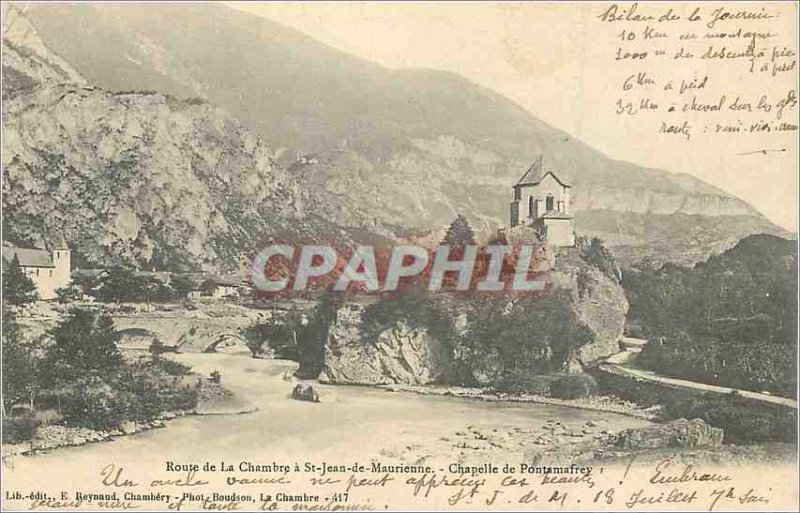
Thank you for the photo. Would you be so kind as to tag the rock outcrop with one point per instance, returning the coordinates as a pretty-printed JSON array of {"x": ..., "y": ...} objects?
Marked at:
[
  {"x": 502, "y": 342},
  {"x": 399, "y": 355},
  {"x": 598, "y": 300},
  {"x": 677, "y": 433}
]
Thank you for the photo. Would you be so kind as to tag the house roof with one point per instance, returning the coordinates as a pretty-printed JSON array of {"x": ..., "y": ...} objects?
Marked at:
[
  {"x": 536, "y": 173},
  {"x": 27, "y": 257},
  {"x": 533, "y": 174}
]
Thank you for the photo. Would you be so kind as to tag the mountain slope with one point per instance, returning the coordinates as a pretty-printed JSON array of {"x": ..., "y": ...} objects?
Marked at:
[
  {"x": 138, "y": 178},
  {"x": 401, "y": 149},
  {"x": 730, "y": 320}
]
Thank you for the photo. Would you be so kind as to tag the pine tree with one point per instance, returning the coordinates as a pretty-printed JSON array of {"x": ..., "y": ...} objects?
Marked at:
[
  {"x": 18, "y": 289},
  {"x": 460, "y": 233},
  {"x": 85, "y": 341}
]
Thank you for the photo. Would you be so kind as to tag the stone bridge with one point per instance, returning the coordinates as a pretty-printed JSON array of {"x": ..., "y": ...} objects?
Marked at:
[{"x": 190, "y": 334}]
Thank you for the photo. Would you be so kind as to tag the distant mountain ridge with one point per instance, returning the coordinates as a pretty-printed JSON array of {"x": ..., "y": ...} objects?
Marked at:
[
  {"x": 390, "y": 150},
  {"x": 140, "y": 179}
]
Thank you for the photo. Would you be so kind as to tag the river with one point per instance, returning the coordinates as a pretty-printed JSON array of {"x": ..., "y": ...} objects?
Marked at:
[{"x": 350, "y": 423}]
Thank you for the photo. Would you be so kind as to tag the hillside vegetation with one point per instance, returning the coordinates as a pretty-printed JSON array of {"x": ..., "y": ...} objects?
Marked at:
[{"x": 731, "y": 320}]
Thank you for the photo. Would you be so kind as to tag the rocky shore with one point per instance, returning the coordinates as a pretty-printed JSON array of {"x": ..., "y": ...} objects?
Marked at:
[
  {"x": 54, "y": 436},
  {"x": 609, "y": 404}
]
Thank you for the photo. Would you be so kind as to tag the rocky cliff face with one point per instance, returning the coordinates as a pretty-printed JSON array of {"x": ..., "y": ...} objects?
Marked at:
[
  {"x": 399, "y": 355},
  {"x": 599, "y": 303},
  {"x": 27, "y": 62},
  {"x": 138, "y": 178}
]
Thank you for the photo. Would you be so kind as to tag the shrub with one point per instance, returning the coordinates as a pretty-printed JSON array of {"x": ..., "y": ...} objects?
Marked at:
[
  {"x": 597, "y": 255},
  {"x": 524, "y": 338},
  {"x": 93, "y": 403},
  {"x": 69, "y": 293},
  {"x": 574, "y": 386},
  {"x": 418, "y": 310},
  {"x": 18, "y": 429},
  {"x": 742, "y": 420},
  {"x": 171, "y": 367}
]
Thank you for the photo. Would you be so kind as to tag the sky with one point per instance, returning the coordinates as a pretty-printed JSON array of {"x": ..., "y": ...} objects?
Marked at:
[{"x": 557, "y": 60}]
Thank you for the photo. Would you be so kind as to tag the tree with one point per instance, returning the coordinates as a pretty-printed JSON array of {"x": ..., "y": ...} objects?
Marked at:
[
  {"x": 69, "y": 293},
  {"x": 208, "y": 287},
  {"x": 153, "y": 289},
  {"x": 84, "y": 342},
  {"x": 85, "y": 283},
  {"x": 19, "y": 364},
  {"x": 18, "y": 289},
  {"x": 182, "y": 284},
  {"x": 596, "y": 254},
  {"x": 121, "y": 284},
  {"x": 512, "y": 342},
  {"x": 460, "y": 233}
]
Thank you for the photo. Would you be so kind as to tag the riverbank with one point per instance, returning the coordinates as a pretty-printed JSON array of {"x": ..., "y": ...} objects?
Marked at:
[
  {"x": 394, "y": 425},
  {"x": 212, "y": 399},
  {"x": 609, "y": 404}
]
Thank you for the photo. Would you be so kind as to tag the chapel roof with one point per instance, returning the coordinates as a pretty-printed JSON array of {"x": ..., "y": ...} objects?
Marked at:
[
  {"x": 537, "y": 172},
  {"x": 27, "y": 257}
]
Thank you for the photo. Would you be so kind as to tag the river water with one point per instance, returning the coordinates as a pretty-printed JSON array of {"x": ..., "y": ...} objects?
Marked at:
[{"x": 350, "y": 424}]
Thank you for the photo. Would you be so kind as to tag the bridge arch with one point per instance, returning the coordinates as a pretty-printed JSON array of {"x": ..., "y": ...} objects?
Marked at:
[
  {"x": 136, "y": 338},
  {"x": 227, "y": 343}
]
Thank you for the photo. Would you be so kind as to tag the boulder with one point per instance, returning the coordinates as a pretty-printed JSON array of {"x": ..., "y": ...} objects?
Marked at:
[
  {"x": 677, "y": 433},
  {"x": 128, "y": 427},
  {"x": 305, "y": 393}
]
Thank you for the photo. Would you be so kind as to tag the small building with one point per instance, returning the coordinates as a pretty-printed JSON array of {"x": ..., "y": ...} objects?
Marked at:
[
  {"x": 220, "y": 287},
  {"x": 541, "y": 200},
  {"x": 49, "y": 269}
]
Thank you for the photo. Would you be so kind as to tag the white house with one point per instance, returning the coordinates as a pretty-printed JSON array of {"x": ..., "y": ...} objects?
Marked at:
[
  {"x": 541, "y": 200},
  {"x": 48, "y": 269}
]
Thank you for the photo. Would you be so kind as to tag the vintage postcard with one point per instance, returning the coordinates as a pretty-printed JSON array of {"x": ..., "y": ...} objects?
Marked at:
[{"x": 399, "y": 256}]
